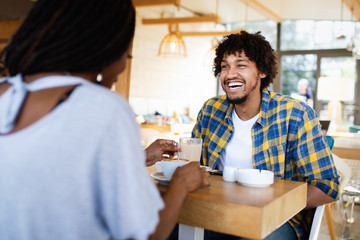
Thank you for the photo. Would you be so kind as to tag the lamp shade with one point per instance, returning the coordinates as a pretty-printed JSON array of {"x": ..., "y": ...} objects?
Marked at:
[
  {"x": 327, "y": 89},
  {"x": 172, "y": 44}
]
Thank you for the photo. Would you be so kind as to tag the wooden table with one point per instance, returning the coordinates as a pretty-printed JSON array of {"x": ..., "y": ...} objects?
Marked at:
[
  {"x": 239, "y": 210},
  {"x": 347, "y": 147}
]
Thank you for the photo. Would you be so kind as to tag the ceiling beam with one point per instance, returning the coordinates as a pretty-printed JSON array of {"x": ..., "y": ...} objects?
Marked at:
[
  {"x": 262, "y": 9},
  {"x": 147, "y": 3},
  {"x": 208, "y": 18},
  {"x": 7, "y": 29},
  {"x": 206, "y": 34},
  {"x": 354, "y": 6}
]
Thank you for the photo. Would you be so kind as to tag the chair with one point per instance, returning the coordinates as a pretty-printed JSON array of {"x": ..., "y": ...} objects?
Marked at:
[
  {"x": 344, "y": 172},
  {"x": 330, "y": 141},
  {"x": 149, "y": 135},
  {"x": 315, "y": 226},
  {"x": 350, "y": 194}
]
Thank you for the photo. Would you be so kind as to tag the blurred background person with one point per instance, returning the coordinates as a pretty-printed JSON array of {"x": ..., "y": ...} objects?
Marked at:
[{"x": 304, "y": 92}]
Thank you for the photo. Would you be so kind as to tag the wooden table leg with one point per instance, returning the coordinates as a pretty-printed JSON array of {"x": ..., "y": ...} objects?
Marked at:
[
  {"x": 330, "y": 221},
  {"x": 190, "y": 233}
]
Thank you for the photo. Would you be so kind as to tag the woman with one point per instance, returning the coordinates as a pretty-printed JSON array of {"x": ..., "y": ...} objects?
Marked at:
[{"x": 71, "y": 163}]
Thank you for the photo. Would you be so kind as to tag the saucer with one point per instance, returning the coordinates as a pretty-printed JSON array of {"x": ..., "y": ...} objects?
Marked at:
[
  {"x": 159, "y": 176},
  {"x": 254, "y": 185},
  {"x": 207, "y": 168}
]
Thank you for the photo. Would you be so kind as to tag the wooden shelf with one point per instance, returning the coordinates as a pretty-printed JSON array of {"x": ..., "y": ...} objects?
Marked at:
[{"x": 177, "y": 128}]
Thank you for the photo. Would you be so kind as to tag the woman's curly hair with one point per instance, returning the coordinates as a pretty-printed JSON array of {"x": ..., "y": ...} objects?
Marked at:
[{"x": 255, "y": 47}]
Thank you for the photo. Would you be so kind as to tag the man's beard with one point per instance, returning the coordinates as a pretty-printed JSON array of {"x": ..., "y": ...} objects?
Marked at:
[
  {"x": 237, "y": 100},
  {"x": 241, "y": 100}
]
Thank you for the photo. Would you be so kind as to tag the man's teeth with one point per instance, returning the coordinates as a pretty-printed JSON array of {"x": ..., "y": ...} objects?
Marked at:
[{"x": 234, "y": 85}]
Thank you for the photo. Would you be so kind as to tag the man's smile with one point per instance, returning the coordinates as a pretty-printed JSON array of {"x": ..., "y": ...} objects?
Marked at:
[{"x": 234, "y": 85}]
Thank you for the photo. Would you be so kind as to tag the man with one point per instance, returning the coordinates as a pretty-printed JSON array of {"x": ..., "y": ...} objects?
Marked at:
[
  {"x": 304, "y": 92},
  {"x": 252, "y": 127}
]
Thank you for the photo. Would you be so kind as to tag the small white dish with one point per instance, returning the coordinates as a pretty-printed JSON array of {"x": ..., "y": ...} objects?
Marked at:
[
  {"x": 159, "y": 176},
  {"x": 229, "y": 174},
  {"x": 254, "y": 177}
]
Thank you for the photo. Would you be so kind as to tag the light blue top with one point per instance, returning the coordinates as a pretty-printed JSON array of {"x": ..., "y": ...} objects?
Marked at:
[{"x": 78, "y": 172}]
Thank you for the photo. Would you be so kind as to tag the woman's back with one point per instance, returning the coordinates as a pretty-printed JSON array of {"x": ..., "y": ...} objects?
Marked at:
[{"x": 74, "y": 166}]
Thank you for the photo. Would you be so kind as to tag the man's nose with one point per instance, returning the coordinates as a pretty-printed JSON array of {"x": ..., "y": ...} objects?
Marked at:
[{"x": 232, "y": 72}]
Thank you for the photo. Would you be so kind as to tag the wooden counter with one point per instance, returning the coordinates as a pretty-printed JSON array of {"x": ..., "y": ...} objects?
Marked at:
[
  {"x": 177, "y": 128},
  {"x": 347, "y": 147}
]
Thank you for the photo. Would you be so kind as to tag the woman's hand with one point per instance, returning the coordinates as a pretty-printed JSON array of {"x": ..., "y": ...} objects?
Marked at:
[
  {"x": 156, "y": 150},
  {"x": 190, "y": 177}
]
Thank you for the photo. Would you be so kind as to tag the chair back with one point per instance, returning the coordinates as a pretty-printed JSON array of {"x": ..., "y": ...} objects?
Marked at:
[
  {"x": 343, "y": 170},
  {"x": 330, "y": 141},
  {"x": 149, "y": 135},
  {"x": 316, "y": 223}
]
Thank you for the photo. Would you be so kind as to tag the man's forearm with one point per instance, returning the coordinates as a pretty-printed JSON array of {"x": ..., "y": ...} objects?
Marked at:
[{"x": 316, "y": 197}]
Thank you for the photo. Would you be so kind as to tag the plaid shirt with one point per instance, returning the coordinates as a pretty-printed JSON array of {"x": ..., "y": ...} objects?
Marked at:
[{"x": 286, "y": 139}]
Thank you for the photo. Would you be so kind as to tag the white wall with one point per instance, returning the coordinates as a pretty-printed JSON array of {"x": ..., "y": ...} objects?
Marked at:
[{"x": 165, "y": 84}]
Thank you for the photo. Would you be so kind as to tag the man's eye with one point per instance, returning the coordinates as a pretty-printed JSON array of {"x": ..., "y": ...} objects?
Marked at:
[{"x": 224, "y": 66}]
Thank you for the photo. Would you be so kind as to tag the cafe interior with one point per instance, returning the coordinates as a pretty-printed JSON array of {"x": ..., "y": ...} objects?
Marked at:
[{"x": 170, "y": 73}]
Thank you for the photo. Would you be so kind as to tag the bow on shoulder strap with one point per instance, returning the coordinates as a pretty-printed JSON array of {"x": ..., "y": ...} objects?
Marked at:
[{"x": 12, "y": 100}]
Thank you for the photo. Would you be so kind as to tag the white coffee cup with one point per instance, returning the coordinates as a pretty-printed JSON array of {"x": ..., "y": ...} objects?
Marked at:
[
  {"x": 168, "y": 167},
  {"x": 190, "y": 148},
  {"x": 229, "y": 174}
]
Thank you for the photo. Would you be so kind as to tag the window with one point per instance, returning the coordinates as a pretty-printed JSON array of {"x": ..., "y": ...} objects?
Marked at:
[
  {"x": 336, "y": 91},
  {"x": 296, "y": 67},
  {"x": 309, "y": 34},
  {"x": 267, "y": 29}
]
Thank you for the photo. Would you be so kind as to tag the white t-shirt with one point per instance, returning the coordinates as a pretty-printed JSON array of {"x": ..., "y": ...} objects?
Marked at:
[
  {"x": 238, "y": 152},
  {"x": 78, "y": 173}
]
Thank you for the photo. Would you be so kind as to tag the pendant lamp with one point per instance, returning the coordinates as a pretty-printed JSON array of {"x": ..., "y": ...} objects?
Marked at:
[{"x": 172, "y": 44}]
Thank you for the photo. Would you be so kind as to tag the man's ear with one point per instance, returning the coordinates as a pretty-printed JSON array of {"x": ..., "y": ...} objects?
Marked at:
[{"x": 262, "y": 75}]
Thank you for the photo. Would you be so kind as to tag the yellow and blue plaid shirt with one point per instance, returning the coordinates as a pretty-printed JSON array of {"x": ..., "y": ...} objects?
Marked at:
[{"x": 286, "y": 139}]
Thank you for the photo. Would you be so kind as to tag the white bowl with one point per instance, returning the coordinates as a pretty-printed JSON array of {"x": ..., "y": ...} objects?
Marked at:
[{"x": 254, "y": 177}]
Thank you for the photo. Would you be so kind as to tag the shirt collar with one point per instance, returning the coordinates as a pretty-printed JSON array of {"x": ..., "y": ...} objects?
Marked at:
[
  {"x": 265, "y": 99},
  {"x": 229, "y": 110}
]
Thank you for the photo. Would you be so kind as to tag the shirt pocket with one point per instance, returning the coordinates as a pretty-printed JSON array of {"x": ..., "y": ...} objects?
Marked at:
[{"x": 275, "y": 160}]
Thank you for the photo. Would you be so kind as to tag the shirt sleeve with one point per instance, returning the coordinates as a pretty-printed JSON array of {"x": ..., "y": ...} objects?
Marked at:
[
  {"x": 312, "y": 155},
  {"x": 129, "y": 200},
  {"x": 196, "y": 132}
]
